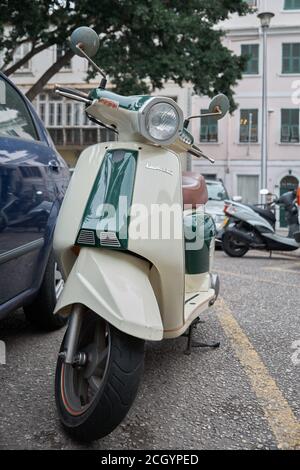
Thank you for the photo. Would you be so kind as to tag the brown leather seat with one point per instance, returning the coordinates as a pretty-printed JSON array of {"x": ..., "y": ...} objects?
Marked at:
[{"x": 194, "y": 189}]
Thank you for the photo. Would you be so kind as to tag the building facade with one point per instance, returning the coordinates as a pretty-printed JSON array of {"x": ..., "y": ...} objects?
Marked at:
[
  {"x": 235, "y": 142},
  {"x": 65, "y": 120}
]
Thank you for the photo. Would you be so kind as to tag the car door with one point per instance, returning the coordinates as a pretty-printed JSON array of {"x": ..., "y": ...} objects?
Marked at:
[{"x": 27, "y": 193}]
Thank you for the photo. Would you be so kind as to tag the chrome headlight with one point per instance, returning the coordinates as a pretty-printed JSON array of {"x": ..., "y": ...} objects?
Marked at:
[{"x": 161, "y": 120}]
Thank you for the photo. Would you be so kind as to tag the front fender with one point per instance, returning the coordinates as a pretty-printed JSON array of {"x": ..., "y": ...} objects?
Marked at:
[{"x": 116, "y": 286}]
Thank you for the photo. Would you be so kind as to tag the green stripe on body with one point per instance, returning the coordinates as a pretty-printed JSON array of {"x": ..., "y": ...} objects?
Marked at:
[{"x": 113, "y": 188}]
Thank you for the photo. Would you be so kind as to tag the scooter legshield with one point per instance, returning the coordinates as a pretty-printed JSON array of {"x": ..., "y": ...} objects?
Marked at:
[{"x": 110, "y": 283}]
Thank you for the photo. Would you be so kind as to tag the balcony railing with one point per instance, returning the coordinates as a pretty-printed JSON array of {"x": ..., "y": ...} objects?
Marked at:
[{"x": 79, "y": 136}]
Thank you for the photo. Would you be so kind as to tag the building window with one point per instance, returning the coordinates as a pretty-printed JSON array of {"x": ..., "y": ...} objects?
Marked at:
[
  {"x": 291, "y": 58},
  {"x": 60, "y": 51},
  {"x": 67, "y": 122},
  {"x": 209, "y": 128},
  {"x": 21, "y": 52},
  {"x": 290, "y": 125},
  {"x": 252, "y": 52},
  {"x": 249, "y": 125},
  {"x": 292, "y": 5}
]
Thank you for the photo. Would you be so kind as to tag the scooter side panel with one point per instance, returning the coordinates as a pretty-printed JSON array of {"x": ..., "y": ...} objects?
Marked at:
[
  {"x": 246, "y": 214},
  {"x": 73, "y": 211},
  {"x": 74, "y": 203},
  {"x": 116, "y": 286},
  {"x": 276, "y": 242},
  {"x": 158, "y": 184}
]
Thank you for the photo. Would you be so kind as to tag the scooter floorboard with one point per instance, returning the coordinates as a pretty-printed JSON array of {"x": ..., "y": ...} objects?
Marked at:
[{"x": 195, "y": 304}]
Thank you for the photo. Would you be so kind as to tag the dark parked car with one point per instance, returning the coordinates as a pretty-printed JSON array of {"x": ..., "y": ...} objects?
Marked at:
[{"x": 33, "y": 181}]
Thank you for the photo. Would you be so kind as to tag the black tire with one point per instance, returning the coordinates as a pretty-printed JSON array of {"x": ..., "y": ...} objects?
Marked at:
[
  {"x": 40, "y": 311},
  {"x": 233, "y": 247},
  {"x": 97, "y": 413}
]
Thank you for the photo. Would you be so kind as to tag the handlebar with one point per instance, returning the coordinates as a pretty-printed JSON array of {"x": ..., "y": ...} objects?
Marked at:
[
  {"x": 197, "y": 152},
  {"x": 73, "y": 94},
  {"x": 85, "y": 98},
  {"x": 82, "y": 98}
]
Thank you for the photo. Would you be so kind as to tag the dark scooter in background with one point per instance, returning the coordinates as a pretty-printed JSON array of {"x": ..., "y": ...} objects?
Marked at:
[
  {"x": 297, "y": 237},
  {"x": 288, "y": 201},
  {"x": 253, "y": 227}
]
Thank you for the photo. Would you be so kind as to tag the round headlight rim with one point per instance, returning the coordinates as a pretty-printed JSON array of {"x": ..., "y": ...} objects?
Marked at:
[{"x": 147, "y": 108}]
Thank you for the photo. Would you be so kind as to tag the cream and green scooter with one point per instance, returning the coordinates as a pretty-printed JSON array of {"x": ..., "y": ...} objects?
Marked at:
[{"x": 127, "y": 282}]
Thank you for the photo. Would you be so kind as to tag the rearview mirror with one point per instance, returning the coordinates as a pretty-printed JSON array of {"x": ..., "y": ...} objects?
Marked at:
[
  {"x": 219, "y": 106},
  {"x": 84, "y": 38}
]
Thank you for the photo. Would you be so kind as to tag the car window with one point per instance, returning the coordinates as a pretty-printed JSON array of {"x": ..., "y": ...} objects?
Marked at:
[
  {"x": 216, "y": 192},
  {"x": 15, "y": 119}
]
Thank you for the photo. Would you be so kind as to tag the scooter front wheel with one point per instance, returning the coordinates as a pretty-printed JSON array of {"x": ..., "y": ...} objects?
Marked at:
[
  {"x": 233, "y": 247},
  {"x": 94, "y": 396}
]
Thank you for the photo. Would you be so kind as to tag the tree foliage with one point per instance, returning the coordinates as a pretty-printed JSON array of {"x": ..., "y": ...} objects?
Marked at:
[{"x": 143, "y": 42}]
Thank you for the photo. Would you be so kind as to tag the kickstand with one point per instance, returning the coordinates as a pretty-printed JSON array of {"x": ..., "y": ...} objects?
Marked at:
[
  {"x": 271, "y": 253},
  {"x": 196, "y": 344}
]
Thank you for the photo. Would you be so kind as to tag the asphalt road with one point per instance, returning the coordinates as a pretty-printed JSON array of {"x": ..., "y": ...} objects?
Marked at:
[{"x": 245, "y": 395}]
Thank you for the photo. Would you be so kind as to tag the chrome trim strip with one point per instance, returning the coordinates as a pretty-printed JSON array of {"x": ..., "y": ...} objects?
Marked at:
[
  {"x": 21, "y": 250},
  {"x": 192, "y": 298}
]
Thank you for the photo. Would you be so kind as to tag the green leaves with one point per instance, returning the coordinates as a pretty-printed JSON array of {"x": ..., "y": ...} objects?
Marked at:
[
  {"x": 160, "y": 40},
  {"x": 143, "y": 42}
]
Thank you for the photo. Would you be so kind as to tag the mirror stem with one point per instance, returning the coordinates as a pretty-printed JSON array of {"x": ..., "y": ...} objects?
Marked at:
[
  {"x": 187, "y": 121},
  {"x": 91, "y": 61},
  {"x": 218, "y": 113}
]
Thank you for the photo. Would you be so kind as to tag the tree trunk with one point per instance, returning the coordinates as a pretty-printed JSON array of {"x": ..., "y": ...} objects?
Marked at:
[
  {"x": 44, "y": 79},
  {"x": 13, "y": 68}
]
